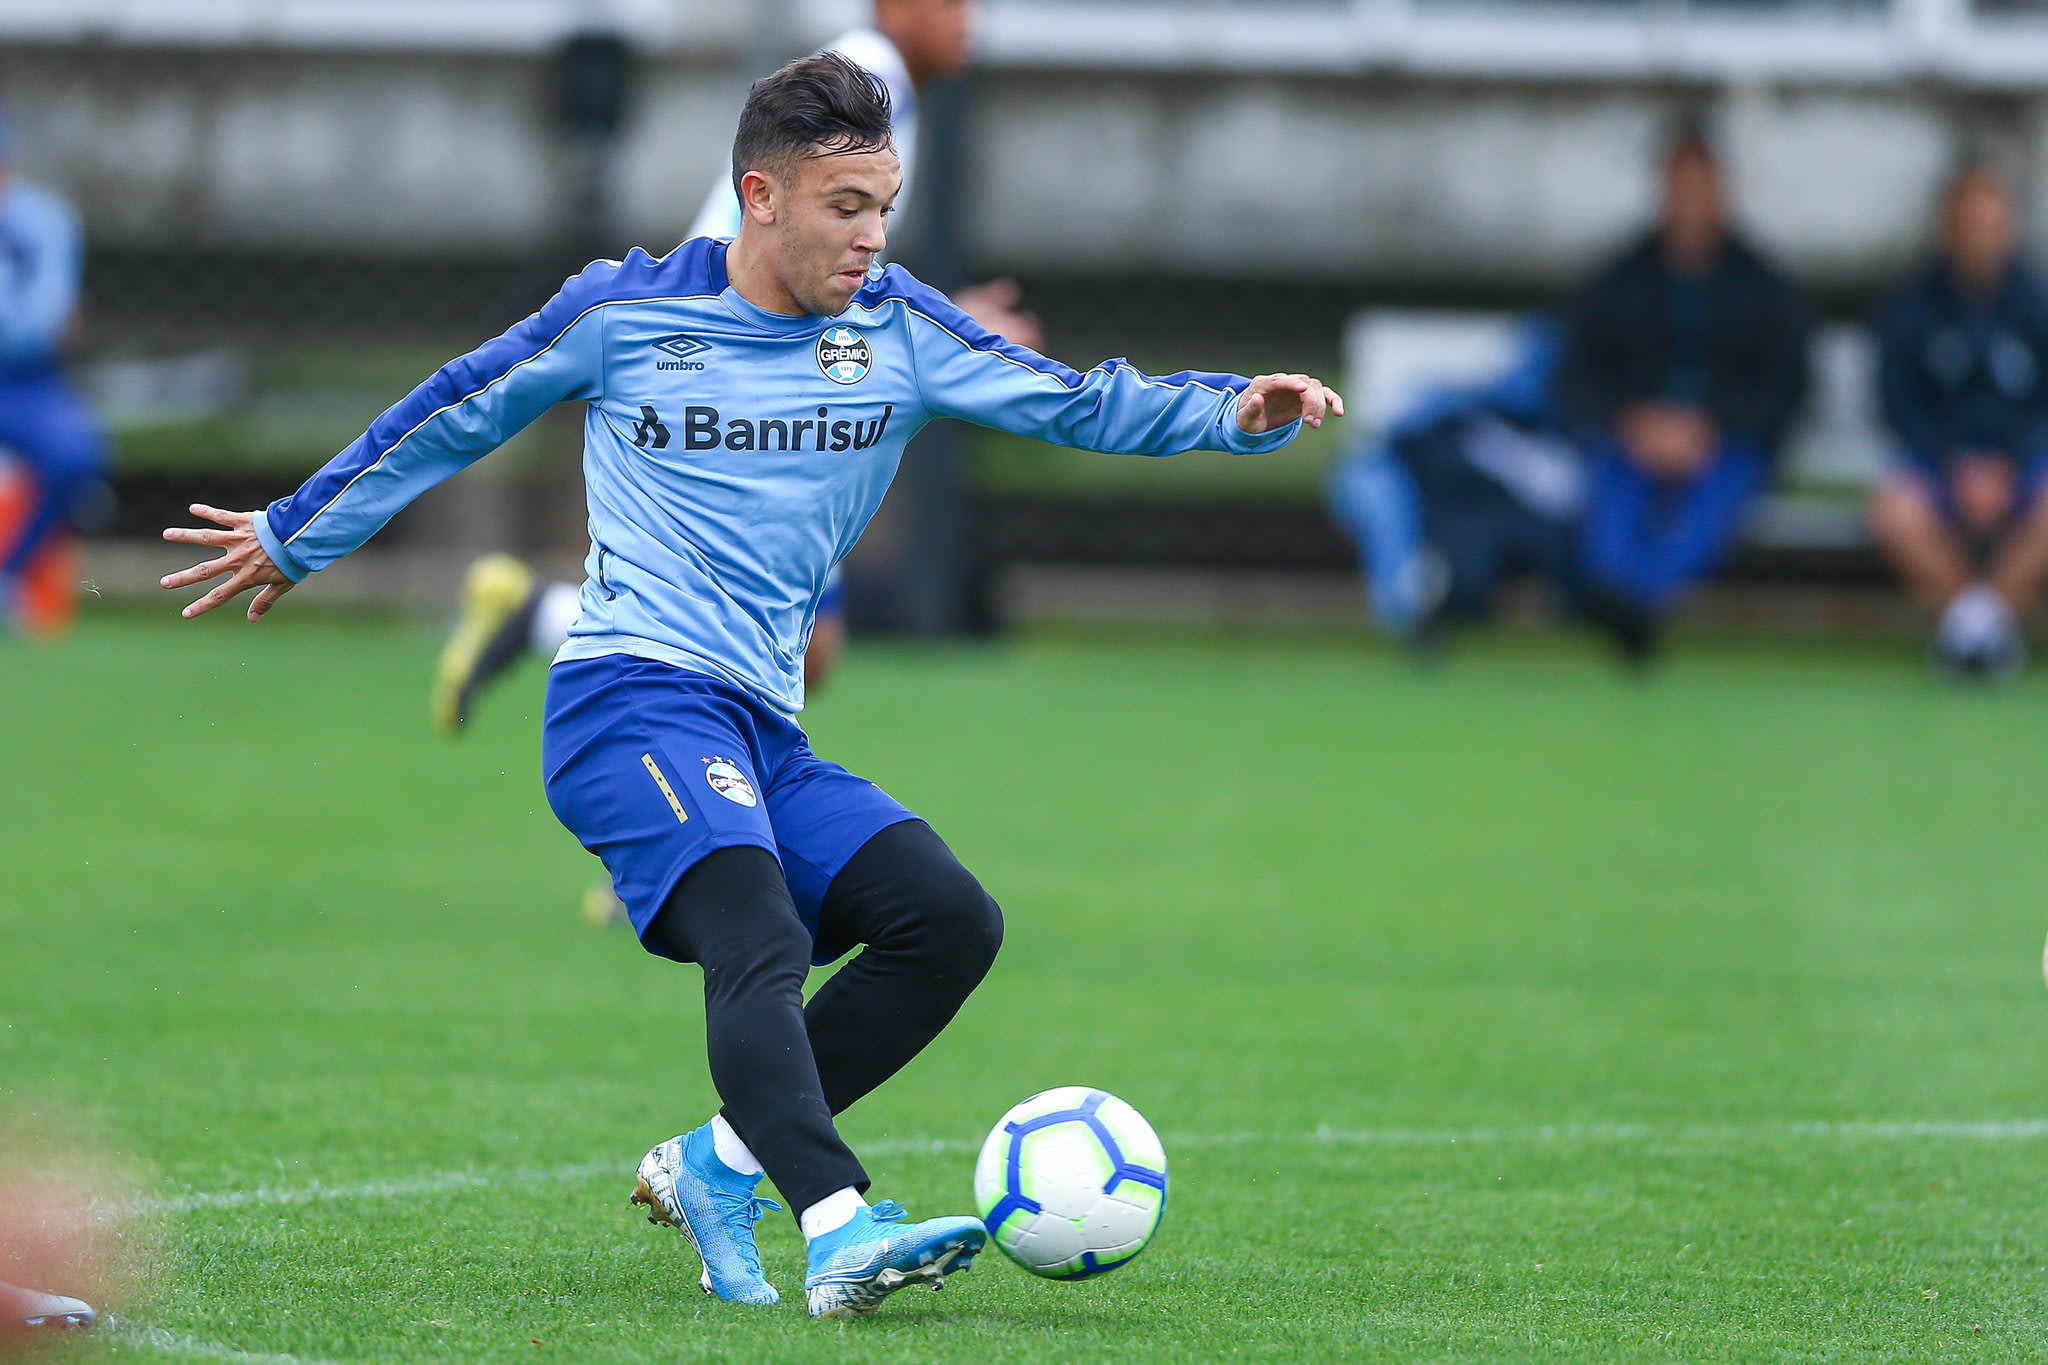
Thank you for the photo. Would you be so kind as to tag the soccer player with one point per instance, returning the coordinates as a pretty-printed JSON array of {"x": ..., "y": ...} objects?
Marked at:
[
  {"x": 720, "y": 497},
  {"x": 43, "y": 422},
  {"x": 507, "y": 610}
]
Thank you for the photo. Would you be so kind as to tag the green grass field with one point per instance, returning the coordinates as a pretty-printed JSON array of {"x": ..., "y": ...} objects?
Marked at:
[{"x": 1517, "y": 1012}]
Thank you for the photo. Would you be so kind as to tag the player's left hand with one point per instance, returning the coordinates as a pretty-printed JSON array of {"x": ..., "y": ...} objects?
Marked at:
[
  {"x": 994, "y": 306},
  {"x": 243, "y": 560},
  {"x": 1273, "y": 400}
]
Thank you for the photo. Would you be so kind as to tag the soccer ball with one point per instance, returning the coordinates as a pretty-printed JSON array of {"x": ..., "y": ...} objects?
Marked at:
[{"x": 1071, "y": 1183}]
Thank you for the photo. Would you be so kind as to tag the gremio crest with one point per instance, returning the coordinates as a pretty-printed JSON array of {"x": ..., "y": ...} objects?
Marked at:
[{"x": 844, "y": 355}]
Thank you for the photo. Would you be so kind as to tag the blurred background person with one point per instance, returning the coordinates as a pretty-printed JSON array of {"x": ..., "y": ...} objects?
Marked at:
[
  {"x": 508, "y": 612},
  {"x": 1960, "y": 513},
  {"x": 52, "y": 453},
  {"x": 1473, "y": 486},
  {"x": 1685, "y": 361}
]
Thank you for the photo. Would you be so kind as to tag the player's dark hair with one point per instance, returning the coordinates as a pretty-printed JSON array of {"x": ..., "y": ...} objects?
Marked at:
[
  {"x": 817, "y": 106},
  {"x": 1968, "y": 173},
  {"x": 1688, "y": 139}
]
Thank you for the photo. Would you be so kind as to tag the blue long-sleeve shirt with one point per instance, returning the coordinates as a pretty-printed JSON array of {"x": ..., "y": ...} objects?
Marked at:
[
  {"x": 42, "y": 250},
  {"x": 732, "y": 456}
]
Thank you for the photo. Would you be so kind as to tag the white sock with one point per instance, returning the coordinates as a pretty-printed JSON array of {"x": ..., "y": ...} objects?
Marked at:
[
  {"x": 831, "y": 1213},
  {"x": 1977, "y": 619},
  {"x": 557, "y": 611},
  {"x": 730, "y": 1149}
]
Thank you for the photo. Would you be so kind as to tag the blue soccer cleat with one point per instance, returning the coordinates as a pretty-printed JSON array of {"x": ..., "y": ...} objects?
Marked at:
[
  {"x": 683, "y": 1184},
  {"x": 853, "y": 1268}
]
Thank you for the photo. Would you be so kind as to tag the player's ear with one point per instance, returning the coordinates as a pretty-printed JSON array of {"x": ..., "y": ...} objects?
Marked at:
[{"x": 760, "y": 197}]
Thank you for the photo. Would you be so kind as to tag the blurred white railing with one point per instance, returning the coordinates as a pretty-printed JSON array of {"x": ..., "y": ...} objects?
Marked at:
[
  {"x": 477, "y": 25},
  {"x": 1713, "y": 40},
  {"x": 1996, "y": 44}
]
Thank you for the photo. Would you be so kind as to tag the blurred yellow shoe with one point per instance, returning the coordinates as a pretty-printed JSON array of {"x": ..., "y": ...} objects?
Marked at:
[
  {"x": 498, "y": 600},
  {"x": 602, "y": 906}
]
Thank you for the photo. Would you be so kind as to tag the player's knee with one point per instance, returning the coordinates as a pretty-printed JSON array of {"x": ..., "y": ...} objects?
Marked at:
[
  {"x": 1901, "y": 506},
  {"x": 986, "y": 934},
  {"x": 964, "y": 922}
]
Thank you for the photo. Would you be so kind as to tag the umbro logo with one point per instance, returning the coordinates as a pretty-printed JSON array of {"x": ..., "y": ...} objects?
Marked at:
[{"x": 682, "y": 346}]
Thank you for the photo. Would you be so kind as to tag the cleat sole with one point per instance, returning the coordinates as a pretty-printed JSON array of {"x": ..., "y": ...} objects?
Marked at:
[
  {"x": 953, "y": 1260},
  {"x": 643, "y": 1195}
]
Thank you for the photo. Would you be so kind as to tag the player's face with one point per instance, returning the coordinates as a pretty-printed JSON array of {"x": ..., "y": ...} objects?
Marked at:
[{"x": 832, "y": 224}]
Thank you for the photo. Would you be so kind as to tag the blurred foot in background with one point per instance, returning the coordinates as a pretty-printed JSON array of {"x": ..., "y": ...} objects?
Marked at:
[
  {"x": 1635, "y": 629},
  {"x": 494, "y": 629},
  {"x": 602, "y": 908},
  {"x": 76, "y": 1237},
  {"x": 25, "y": 1311},
  {"x": 1978, "y": 639},
  {"x": 509, "y": 612}
]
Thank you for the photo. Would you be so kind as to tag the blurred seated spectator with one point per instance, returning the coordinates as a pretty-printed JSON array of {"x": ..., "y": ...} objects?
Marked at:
[
  {"x": 1965, "y": 386},
  {"x": 47, "y": 433},
  {"x": 1684, "y": 363},
  {"x": 1472, "y": 486}
]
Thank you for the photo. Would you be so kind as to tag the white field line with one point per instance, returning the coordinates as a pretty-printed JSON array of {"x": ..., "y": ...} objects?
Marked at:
[
  {"x": 441, "y": 1182},
  {"x": 401, "y": 1187},
  {"x": 177, "y": 1344},
  {"x": 404, "y": 1187}
]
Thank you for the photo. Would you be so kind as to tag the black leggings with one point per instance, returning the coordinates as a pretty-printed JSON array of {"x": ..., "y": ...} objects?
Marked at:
[{"x": 782, "y": 1068}]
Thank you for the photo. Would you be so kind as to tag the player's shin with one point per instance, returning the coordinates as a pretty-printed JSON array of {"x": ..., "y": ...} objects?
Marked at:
[{"x": 733, "y": 915}]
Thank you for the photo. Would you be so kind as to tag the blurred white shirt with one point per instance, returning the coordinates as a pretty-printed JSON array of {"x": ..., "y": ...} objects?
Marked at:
[
  {"x": 42, "y": 252},
  {"x": 866, "y": 48}
]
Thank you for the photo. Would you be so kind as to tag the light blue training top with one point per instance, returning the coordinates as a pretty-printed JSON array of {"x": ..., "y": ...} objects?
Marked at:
[
  {"x": 732, "y": 456},
  {"x": 42, "y": 252}
]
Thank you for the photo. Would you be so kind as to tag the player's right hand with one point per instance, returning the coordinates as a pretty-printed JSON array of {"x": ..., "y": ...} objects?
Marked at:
[{"x": 244, "y": 560}]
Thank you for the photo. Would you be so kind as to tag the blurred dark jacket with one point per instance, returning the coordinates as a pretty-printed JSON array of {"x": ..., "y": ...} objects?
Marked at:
[
  {"x": 1966, "y": 374},
  {"x": 1731, "y": 340}
]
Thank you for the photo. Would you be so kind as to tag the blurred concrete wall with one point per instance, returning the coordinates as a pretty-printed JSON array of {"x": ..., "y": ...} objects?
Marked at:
[
  {"x": 1459, "y": 185},
  {"x": 1409, "y": 179}
]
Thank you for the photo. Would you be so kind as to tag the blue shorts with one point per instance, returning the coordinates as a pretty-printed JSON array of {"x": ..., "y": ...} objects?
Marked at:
[
  {"x": 652, "y": 767},
  {"x": 1930, "y": 476}
]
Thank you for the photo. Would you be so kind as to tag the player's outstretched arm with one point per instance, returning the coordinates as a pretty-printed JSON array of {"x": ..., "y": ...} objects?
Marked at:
[
  {"x": 243, "y": 559},
  {"x": 1272, "y": 401},
  {"x": 464, "y": 410},
  {"x": 968, "y": 372}
]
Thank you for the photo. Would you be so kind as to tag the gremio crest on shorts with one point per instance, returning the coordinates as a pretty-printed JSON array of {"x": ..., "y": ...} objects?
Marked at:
[
  {"x": 729, "y": 782},
  {"x": 844, "y": 355}
]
